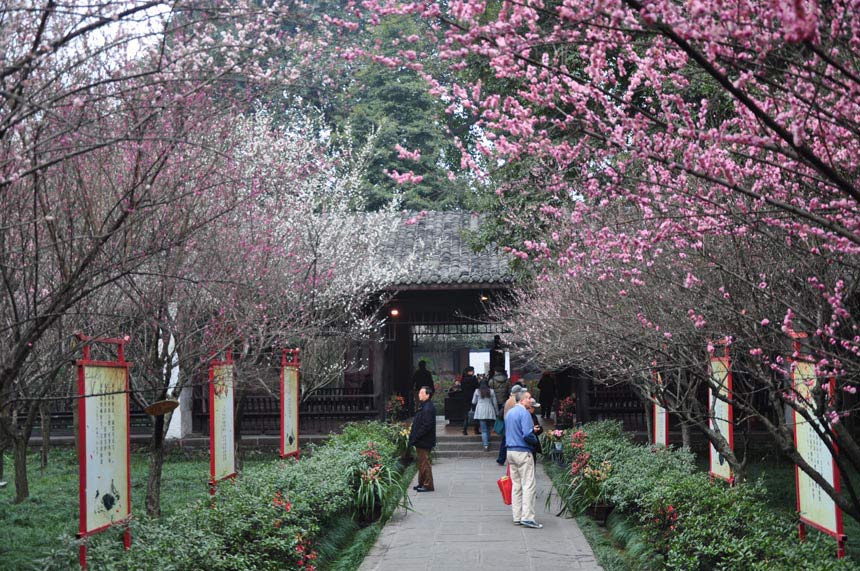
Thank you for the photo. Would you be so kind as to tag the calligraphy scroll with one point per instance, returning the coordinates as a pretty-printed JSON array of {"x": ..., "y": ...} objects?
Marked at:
[
  {"x": 290, "y": 403},
  {"x": 721, "y": 415},
  {"x": 222, "y": 458}
]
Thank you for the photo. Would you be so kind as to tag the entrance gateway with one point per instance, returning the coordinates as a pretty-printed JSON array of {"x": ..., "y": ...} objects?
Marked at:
[{"x": 439, "y": 312}]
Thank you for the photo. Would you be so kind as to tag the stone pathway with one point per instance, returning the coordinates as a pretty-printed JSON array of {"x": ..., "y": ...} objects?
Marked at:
[{"x": 464, "y": 525}]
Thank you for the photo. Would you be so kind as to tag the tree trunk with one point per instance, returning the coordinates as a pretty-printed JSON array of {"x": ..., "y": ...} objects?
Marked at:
[
  {"x": 45, "y": 414},
  {"x": 649, "y": 422},
  {"x": 686, "y": 441},
  {"x": 2, "y": 457},
  {"x": 156, "y": 467},
  {"x": 76, "y": 425},
  {"x": 22, "y": 486}
]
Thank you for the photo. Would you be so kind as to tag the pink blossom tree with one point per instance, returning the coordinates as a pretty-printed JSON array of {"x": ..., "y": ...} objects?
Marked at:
[
  {"x": 101, "y": 111},
  {"x": 658, "y": 134},
  {"x": 310, "y": 257}
]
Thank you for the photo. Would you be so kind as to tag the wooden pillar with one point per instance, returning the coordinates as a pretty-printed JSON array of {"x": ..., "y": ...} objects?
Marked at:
[
  {"x": 403, "y": 367},
  {"x": 581, "y": 386}
]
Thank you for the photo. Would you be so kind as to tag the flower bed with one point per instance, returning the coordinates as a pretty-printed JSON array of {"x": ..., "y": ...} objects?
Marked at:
[
  {"x": 691, "y": 522},
  {"x": 272, "y": 517}
]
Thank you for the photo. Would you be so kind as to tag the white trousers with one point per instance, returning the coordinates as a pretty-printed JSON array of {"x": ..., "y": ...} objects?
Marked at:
[{"x": 524, "y": 486}]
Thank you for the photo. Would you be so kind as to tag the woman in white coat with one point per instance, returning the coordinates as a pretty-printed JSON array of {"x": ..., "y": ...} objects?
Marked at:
[{"x": 484, "y": 401}]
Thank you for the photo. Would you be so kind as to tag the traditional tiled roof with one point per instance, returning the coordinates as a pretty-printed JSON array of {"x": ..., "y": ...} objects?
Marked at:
[{"x": 442, "y": 255}]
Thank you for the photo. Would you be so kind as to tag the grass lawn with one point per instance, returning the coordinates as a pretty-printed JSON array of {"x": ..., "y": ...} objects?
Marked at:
[{"x": 30, "y": 531}]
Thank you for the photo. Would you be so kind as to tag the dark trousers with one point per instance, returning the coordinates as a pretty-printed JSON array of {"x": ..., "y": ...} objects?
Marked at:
[
  {"x": 466, "y": 423},
  {"x": 425, "y": 473},
  {"x": 503, "y": 451}
]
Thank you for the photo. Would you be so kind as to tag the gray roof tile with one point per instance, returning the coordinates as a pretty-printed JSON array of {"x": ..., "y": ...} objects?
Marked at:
[{"x": 442, "y": 254}]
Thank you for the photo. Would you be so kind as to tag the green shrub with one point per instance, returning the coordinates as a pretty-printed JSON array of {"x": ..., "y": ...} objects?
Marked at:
[
  {"x": 690, "y": 522},
  {"x": 268, "y": 519}
]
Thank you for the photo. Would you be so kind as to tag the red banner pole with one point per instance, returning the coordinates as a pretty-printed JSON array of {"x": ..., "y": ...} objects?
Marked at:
[
  {"x": 212, "y": 426},
  {"x": 283, "y": 397}
]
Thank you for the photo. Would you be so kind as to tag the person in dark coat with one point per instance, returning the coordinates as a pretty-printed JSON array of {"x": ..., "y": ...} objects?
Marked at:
[
  {"x": 468, "y": 386},
  {"x": 423, "y": 438},
  {"x": 546, "y": 386},
  {"x": 532, "y": 406},
  {"x": 420, "y": 378}
]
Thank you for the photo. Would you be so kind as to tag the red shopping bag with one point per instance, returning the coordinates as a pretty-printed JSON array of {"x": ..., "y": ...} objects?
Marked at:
[{"x": 506, "y": 487}]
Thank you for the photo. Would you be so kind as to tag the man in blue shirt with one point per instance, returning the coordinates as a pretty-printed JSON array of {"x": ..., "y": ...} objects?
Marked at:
[{"x": 519, "y": 429}]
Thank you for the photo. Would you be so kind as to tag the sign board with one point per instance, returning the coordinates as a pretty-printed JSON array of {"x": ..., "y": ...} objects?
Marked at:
[
  {"x": 222, "y": 459},
  {"x": 816, "y": 508},
  {"x": 721, "y": 414},
  {"x": 103, "y": 442},
  {"x": 661, "y": 418},
  {"x": 290, "y": 403}
]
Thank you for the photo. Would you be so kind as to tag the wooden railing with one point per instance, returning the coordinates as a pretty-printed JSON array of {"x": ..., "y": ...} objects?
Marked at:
[
  {"x": 320, "y": 413},
  {"x": 62, "y": 419},
  {"x": 618, "y": 403}
]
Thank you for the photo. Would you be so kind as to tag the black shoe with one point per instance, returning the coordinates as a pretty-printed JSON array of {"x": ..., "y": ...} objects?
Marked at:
[
  {"x": 465, "y": 433},
  {"x": 420, "y": 489},
  {"x": 500, "y": 463},
  {"x": 415, "y": 488}
]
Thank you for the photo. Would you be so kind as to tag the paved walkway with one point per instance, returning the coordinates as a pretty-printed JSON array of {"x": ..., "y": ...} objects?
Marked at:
[{"x": 464, "y": 525}]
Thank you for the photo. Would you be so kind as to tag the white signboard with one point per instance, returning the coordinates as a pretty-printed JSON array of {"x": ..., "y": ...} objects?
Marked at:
[
  {"x": 661, "y": 418},
  {"x": 222, "y": 453},
  {"x": 721, "y": 415},
  {"x": 105, "y": 494},
  {"x": 815, "y": 506},
  {"x": 661, "y": 426},
  {"x": 290, "y": 412}
]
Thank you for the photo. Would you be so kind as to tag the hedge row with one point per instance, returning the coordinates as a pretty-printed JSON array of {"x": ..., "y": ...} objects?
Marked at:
[
  {"x": 269, "y": 518},
  {"x": 691, "y": 522}
]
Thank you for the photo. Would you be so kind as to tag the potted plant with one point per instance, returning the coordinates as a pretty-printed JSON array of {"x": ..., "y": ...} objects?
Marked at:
[
  {"x": 591, "y": 487},
  {"x": 555, "y": 438},
  {"x": 588, "y": 490},
  {"x": 401, "y": 440},
  {"x": 374, "y": 482},
  {"x": 566, "y": 412},
  {"x": 394, "y": 408},
  {"x": 554, "y": 446}
]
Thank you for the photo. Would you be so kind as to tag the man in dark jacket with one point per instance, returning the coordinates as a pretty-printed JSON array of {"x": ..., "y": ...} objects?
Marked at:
[
  {"x": 423, "y": 438},
  {"x": 420, "y": 378},
  {"x": 469, "y": 384}
]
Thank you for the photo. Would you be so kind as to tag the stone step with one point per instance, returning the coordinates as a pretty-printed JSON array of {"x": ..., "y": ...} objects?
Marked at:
[
  {"x": 479, "y": 453},
  {"x": 464, "y": 446},
  {"x": 458, "y": 438}
]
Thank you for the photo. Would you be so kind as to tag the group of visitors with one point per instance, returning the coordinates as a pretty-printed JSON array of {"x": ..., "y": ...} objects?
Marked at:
[{"x": 519, "y": 446}]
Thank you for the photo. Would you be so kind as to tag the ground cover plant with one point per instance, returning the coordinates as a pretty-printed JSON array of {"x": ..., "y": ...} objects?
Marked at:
[
  {"x": 690, "y": 522},
  {"x": 276, "y": 515},
  {"x": 29, "y": 531}
]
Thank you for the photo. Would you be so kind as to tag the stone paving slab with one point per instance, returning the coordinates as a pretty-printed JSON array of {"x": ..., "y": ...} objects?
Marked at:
[{"x": 465, "y": 525}]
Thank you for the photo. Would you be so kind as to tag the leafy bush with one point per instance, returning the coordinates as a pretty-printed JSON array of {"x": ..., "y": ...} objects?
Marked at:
[
  {"x": 268, "y": 519},
  {"x": 690, "y": 522}
]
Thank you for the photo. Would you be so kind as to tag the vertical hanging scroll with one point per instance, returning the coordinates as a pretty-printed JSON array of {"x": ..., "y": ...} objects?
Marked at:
[
  {"x": 815, "y": 507},
  {"x": 104, "y": 442},
  {"x": 222, "y": 460},
  {"x": 721, "y": 413},
  {"x": 661, "y": 415},
  {"x": 290, "y": 402}
]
